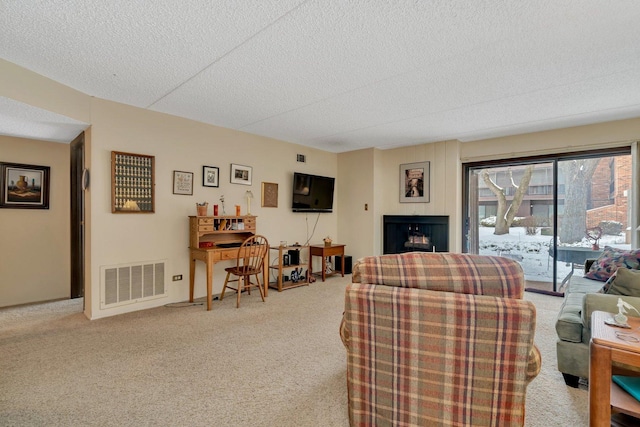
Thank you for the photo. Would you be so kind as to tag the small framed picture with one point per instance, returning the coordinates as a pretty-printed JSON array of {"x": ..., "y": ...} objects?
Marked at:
[
  {"x": 210, "y": 176},
  {"x": 269, "y": 195},
  {"x": 183, "y": 183},
  {"x": 241, "y": 174},
  {"x": 414, "y": 182},
  {"x": 24, "y": 186}
]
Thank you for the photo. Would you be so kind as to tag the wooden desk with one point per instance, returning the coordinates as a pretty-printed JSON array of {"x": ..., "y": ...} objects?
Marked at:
[
  {"x": 324, "y": 252},
  {"x": 212, "y": 255},
  {"x": 606, "y": 348}
]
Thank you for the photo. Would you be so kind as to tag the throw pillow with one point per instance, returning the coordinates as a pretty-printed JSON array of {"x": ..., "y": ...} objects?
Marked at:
[
  {"x": 625, "y": 282},
  {"x": 610, "y": 260}
]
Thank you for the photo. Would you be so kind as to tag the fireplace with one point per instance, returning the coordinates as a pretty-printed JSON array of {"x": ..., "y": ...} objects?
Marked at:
[{"x": 408, "y": 233}]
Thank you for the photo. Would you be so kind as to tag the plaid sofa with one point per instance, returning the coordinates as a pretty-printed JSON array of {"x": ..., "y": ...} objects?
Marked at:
[{"x": 446, "y": 341}]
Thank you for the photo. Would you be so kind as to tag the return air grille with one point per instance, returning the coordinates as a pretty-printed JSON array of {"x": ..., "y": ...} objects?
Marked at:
[{"x": 131, "y": 283}]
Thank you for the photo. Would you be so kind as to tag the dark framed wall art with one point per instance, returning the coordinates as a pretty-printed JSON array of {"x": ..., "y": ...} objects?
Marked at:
[
  {"x": 24, "y": 186},
  {"x": 414, "y": 182},
  {"x": 210, "y": 176}
]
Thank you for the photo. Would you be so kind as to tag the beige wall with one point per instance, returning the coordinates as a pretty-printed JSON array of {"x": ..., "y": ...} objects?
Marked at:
[
  {"x": 365, "y": 176},
  {"x": 35, "y": 243},
  {"x": 590, "y": 137},
  {"x": 377, "y": 175},
  {"x": 180, "y": 144},
  {"x": 355, "y": 190}
]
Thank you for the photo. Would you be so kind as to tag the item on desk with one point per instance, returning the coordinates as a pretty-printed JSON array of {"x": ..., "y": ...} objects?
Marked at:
[
  {"x": 283, "y": 243},
  {"x": 237, "y": 210},
  {"x": 611, "y": 322},
  {"x": 629, "y": 384},
  {"x": 201, "y": 208},
  {"x": 621, "y": 318},
  {"x": 215, "y": 210}
]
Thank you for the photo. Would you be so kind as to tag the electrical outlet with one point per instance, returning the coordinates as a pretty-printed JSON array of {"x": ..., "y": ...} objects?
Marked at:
[{"x": 177, "y": 277}]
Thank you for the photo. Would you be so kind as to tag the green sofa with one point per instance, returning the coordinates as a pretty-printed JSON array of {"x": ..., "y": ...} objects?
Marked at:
[{"x": 573, "y": 325}]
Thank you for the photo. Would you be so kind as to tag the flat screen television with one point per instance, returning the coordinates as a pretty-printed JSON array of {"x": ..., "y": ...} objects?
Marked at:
[{"x": 312, "y": 193}]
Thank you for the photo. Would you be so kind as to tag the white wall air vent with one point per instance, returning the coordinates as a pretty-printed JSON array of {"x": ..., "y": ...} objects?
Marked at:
[
  {"x": 130, "y": 283},
  {"x": 301, "y": 158}
]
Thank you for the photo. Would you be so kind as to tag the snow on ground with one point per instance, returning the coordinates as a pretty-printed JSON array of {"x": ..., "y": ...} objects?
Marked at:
[{"x": 533, "y": 251}]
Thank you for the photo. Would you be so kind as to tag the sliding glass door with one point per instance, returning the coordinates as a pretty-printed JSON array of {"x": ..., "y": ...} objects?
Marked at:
[{"x": 550, "y": 214}]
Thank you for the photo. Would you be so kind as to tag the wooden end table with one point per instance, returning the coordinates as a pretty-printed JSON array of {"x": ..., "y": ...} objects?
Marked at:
[
  {"x": 325, "y": 251},
  {"x": 605, "y": 348}
]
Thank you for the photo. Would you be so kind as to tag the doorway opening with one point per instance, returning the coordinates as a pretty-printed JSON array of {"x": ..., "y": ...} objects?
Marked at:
[{"x": 79, "y": 181}]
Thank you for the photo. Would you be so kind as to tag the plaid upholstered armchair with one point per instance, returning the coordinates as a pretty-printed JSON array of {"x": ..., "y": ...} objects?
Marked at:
[{"x": 438, "y": 339}]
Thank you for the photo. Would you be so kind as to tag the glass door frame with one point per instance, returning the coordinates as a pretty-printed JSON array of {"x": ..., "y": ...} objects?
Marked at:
[{"x": 468, "y": 167}]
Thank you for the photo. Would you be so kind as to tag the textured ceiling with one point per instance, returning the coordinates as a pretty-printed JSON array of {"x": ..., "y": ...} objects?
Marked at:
[{"x": 342, "y": 75}]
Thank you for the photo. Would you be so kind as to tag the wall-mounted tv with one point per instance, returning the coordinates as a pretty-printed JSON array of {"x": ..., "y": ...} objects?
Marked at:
[{"x": 312, "y": 193}]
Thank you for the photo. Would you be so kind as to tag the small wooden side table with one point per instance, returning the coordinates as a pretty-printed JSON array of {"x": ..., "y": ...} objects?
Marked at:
[
  {"x": 605, "y": 348},
  {"x": 325, "y": 251}
]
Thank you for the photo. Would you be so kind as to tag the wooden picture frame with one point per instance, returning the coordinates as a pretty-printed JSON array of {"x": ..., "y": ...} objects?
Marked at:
[
  {"x": 132, "y": 183},
  {"x": 269, "y": 195},
  {"x": 241, "y": 174},
  {"x": 24, "y": 186},
  {"x": 183, "y": 183},
  {"x": 414, "y": 182},
  {"x": 210, "y": 176}
]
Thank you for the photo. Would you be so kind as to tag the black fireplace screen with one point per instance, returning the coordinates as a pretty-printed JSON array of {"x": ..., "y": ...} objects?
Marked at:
[{"x": 407, "y": 233}]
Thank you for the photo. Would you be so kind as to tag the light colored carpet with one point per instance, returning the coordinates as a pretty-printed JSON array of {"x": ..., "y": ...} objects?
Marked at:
[{"x": 279, "y": 363}]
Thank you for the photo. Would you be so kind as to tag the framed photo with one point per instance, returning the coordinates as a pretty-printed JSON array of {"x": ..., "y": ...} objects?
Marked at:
[
  {"x": 183, "y": 183},
  {"x": 414, "y": 182},
  {"x": 132, "y": 183},
  {"x": 210, "y": 176},
  {"x": 241, "y": 174},
  {"x": 24, "y": 186},
  {"x": 269, "y": 195}
]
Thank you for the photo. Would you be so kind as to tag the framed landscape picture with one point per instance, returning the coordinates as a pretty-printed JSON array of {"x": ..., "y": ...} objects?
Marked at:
[
  {"x": 241, "y": 174},
  {"x": 414, "y": 182},
  {"x": 24, "y": 186}
]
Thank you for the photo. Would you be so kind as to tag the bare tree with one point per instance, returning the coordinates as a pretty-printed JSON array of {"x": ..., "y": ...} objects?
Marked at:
[
  {"x": 506, "y": 213},
  {"x": 577, "y": 179}
]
